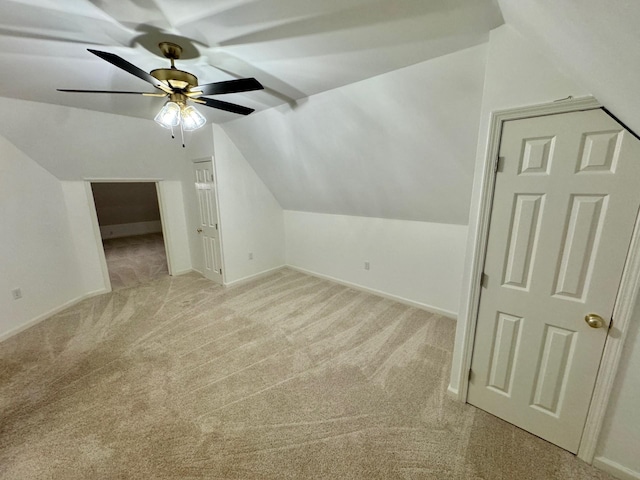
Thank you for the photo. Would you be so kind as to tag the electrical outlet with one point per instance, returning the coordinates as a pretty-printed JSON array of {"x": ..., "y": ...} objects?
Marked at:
[
  {"x": 16, "y": 293},
  {"x": 366, "y": 265},
  {"x": 250, "y": 255}
]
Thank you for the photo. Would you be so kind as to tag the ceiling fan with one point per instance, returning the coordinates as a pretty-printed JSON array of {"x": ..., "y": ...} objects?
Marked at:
[{"x": 181, "y": 87}]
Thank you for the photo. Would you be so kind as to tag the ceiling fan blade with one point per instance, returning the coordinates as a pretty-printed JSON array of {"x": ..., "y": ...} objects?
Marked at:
[
  {"x": 230, "y": 86},
  {"x": 131, "y": 68},
  {"x": 146, "y": 94},
  {"x": 229, "y": 107}
]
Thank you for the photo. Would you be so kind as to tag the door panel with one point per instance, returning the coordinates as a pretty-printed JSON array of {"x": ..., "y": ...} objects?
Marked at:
[
  {"x": 563, "y": 213},
  {"x": 208, "y": 227},
  {"x": 581, "y": 241},
  {"x": 525, "y": 226}
]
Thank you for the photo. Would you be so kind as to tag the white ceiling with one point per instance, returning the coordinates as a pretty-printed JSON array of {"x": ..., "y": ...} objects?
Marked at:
[{"x": 296, "y": 48}]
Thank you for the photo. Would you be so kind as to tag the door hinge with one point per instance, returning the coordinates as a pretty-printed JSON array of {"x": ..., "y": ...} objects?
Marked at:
[
  {"x": 484, "y": 280},
  {"x": 220, "y": 271},
  {"x": 216, "y": 226},
  {"x": 499, "y": 164},
  {"x": 470, "y": 375}
]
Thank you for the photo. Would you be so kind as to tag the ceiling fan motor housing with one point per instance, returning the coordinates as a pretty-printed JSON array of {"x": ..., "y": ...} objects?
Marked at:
[{"x": 175, "y": 78}]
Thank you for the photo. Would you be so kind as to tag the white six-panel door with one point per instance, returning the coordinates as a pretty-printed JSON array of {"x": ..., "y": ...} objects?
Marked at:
[
  {"x": 565, "y": 202},
  {"x": 208, "y": 228}
]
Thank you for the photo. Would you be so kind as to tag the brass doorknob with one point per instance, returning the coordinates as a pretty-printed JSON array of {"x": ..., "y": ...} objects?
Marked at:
[
  {"x": 594, "y": 321},
  {"x": 199, "y": 230}
]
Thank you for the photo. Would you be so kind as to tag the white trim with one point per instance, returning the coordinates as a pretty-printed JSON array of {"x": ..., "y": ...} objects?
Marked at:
[
  {"x": 185, "y": 271},
  {"x": 255, "y": 276},
  {"x": 122, "y": 180},
  {"x": 452, "y": 392},
  {"x": 622, "y": 317},
  {"x": 203, "y": 159},
  {"x": 615, "y": 469},
  {"x": 406, "y": 301},
  {"x": 120, "y": 230},
  {"x": 50, "y": 313},
  {"x": 220, "y": 223},
  {"x": 166, "y": 235},
  {"x": 93, "y": 213},
  {"x": 627, "y": 292},
  {"x": 467, "y": 317}
]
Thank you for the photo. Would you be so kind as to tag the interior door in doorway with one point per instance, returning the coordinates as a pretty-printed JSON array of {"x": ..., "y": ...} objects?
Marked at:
[
  {"x": 564, "y": 207},
  {"x": 208, "y": 225}
]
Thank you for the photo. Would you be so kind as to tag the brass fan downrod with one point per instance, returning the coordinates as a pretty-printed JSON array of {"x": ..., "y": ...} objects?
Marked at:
[
  {"x": 172, "y": 51},
  {"x": 178, "y": 79}
]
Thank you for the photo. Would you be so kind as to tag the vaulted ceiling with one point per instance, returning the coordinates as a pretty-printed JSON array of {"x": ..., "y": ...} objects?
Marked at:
[
  {"x": 295, "y": 47},
  {"x": 371, "y": 107}
]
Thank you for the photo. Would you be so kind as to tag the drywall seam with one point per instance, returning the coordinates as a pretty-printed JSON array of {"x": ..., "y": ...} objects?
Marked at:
[
  {"x": 50, "y": 313},
  {"x": 406, "y": 301}
]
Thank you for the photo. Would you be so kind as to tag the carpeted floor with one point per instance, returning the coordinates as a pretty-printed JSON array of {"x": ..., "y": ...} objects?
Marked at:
[
  {"x": 285, "y": 377},
  {"x": 135, "y": 260}
]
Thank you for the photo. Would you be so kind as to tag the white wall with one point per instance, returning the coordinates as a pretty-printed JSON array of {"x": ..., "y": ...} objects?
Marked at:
[
  {"x": 595, "y": 41},
  {"x": 75, "y": 144},
  {"x": 85, "y": 237},
  {"x": 416, "y": 262},
  {"x": 516, "y": 75},
  {"x": 250, "y": 217},
  {"x": 619, "y": 441},
  {"x": 172, "y": 209},
  {"x": 36, "y": 249},
  {"x": 399, "y": 145}
]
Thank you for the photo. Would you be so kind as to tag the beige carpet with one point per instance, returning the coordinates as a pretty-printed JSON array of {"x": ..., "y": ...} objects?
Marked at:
[
  {"x": 135, "y": 260},
  {"x": 285, "y": 377}
]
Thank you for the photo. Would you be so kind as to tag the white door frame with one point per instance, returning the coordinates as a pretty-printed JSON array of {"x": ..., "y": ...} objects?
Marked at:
[
  {"x": 96, "y": 225},
  {"x": 625, "y": 300}
]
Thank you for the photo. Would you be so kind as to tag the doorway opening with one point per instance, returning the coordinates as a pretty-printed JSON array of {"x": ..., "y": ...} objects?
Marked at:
[{"x": 131, "y": 231}]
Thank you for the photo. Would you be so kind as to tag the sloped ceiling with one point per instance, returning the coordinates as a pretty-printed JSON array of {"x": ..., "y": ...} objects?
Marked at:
[
  {"x": 73, "y": 144},
  {"x": 401, "y": 145},
  {"x": 296, "y": 48},
  {"x": 596, "y": 42}
]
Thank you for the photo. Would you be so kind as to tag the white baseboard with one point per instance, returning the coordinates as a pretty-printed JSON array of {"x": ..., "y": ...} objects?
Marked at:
[
  {"x": 615, "y": 469},
  {"x": 249, "y": 278},
  {"x": 406, "y": 301},
  {"x": 453, "y": 393},
  {"x": 130, "y": 229},
  {"x": 185, "y": 271},
  {"x": 30, "y": 323}
]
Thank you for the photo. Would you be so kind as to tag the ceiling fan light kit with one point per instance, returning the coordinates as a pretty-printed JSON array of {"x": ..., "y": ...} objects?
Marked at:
[
  {"x": 181, "y": 87},
  {"x": 192, "y": 119},
  {"x": 169, "y": 115}
]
